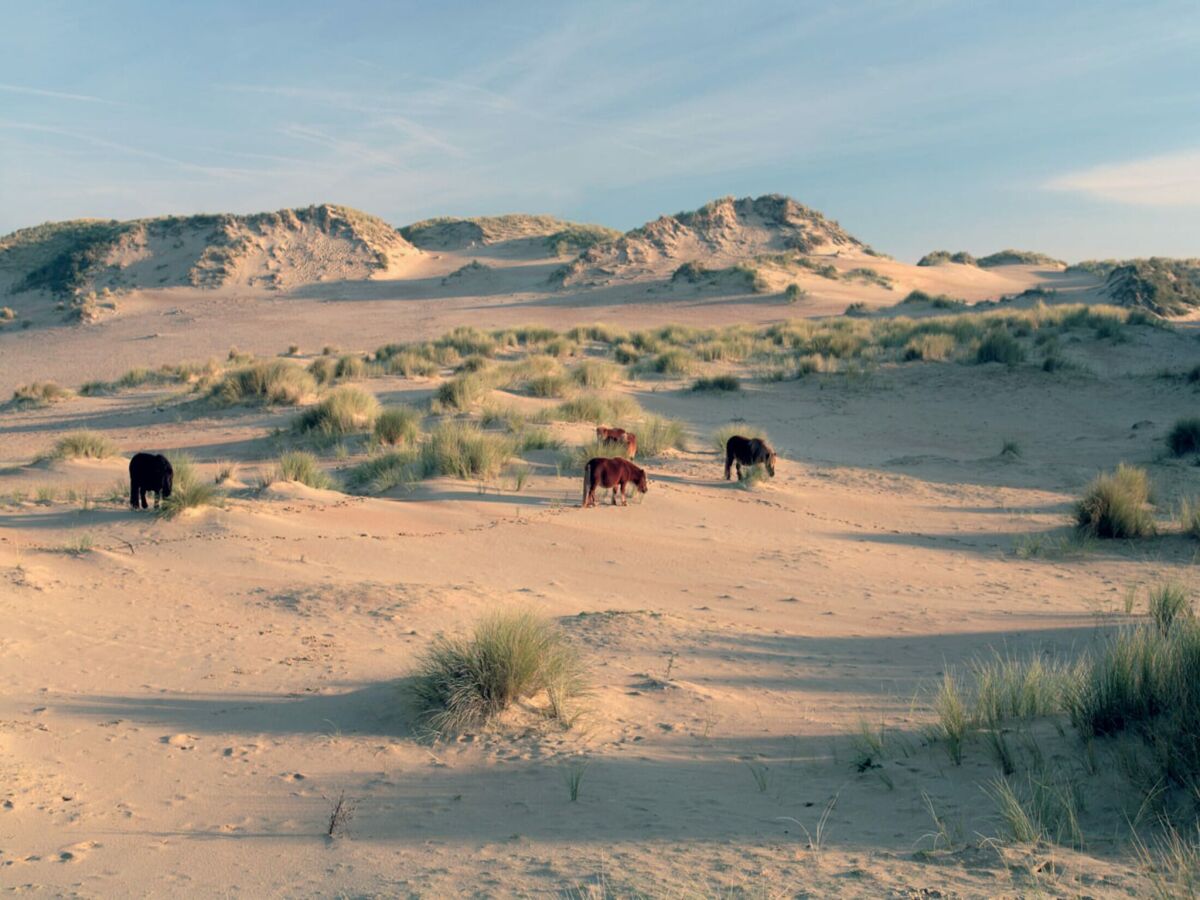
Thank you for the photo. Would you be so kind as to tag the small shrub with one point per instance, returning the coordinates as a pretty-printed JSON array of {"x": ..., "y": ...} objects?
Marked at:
[
  {"x": 38, "y": 394},
  {"x": 1189, "y": 516},
  {"x": 398, "y": 425},
  {"x": 536, "y": 439},
  {"x": 1000, "y": 346},
  {"x": 626, "y": 353},
  {"x": 1184, "y": 437},
  {"x": 597, "y": 408},
  {"x": 86, "y": 444},
  {"x": 297, "y": 465},
  {"x": 350, "y": 368},
  {"x": 929, "y": 347},
  {"x": 794, "y": 293},
  {"x": 550, "y": 386},
  {"x": 187, "y": 491},
  {"x": 387, "y": 470},
  {"x": 293, "y": 350},
  {"x": 266, "y": 384},
  {"x": 674, "y": 362},
  {"x": 410, "y": 364},
  {"x": 1010, "y": 450},
  {"x": 1114, "y": 505},
  {"x": 463, "y": 390},
  {"x": 593, "y": 373},
  {"x": 463, "y": 683},
  {"x": 1168, "y": 604},
  {"x": 346, "y": 410},
  {"x": 463, "y": 450},
  {"x": 717, "y": 383},
  {"x": 657, "y": 434}
]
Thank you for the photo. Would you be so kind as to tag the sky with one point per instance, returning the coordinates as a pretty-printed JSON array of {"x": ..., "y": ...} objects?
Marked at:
[{"x": 1072, "y": 128}]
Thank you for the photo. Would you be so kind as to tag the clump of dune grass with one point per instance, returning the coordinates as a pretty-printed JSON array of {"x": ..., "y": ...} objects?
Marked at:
[
  {"x": 464, "y": 450},
  {"x": 998, "y": 345},
  {"x": 350, "y": 368},
  {"x": 298, "y": 465},
  {"x": 597, "y": 408},
  {"x": 929, "y": 347},
  {"x": 1046, "y": 808},
  {"x": 508, "y": 416},
  {"x": 752, "y": 476},
  {"x": 323, "y": 369},
  {"x": 1189, "y": 516},
  {"x": 188, "y": 491},
  {"x": 345, "y": 410},
  {"x": 1184, "y": 437},
  {"x": 953, "y": 721},
  {"x": 398, "y": 425},
  {"x": 658, "y": 434},
  {"x": 721, "y": 436},
  {"x": 410, "y": 364},
  {"x": 674, "y": 362},
  {"x": 385, "y": 471},
  {"x": 85, "y": 444},
  {"x": 464, "y": 683},
  {"x": 1115, "y": 505},
  {"x": 595, "y": 373},
  {"x": 717, "y": 383},
  {"x": 1169, "y": 603},
  {"x": 38, "y": 394},
  {"x": 535, "y": 438},
  {"x": 272, "y": 383},
  {"x": 550, "y": 386},
  {"x": 463, "y": 390}
]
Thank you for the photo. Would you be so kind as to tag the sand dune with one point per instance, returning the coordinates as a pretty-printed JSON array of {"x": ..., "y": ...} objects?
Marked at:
[{"x": 185, "y": 699}]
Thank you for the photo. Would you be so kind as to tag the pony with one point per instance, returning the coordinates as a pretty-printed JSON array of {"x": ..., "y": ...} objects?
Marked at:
[
  {"x": 611, "y": 473},
  {"x": 748, "y": 452},
  {"x": 149, "y": 473},
  {"x": 618, "y": 436}
]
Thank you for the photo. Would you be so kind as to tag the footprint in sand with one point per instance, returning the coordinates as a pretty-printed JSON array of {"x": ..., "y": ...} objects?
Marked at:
[{"x": 75, "y": 852}]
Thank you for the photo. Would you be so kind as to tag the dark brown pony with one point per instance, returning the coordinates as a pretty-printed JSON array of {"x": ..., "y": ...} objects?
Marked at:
[
  {"x": 748, "y": 452},
  {"x": 611, "y": 473},
  {"x": 618, "y": 436}
]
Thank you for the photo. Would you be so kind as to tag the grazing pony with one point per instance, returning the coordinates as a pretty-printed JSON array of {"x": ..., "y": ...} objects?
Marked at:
[
  {"x": 611, "y": 473},
  {"x": 748, "y": 452},
  {"x": 618, "y": 436},
  {"x": 149, "y": 473}
]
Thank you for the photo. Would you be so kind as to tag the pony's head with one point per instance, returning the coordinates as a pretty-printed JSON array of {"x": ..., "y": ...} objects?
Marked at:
[
  {"x": 771, "y": 462},
  {"x": 168, "y": 482},
  {"x": 641, "y": 482}
]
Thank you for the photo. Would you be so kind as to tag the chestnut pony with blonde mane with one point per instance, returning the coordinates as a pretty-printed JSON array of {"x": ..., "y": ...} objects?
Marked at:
[
  {"x": 618, "y": 436},
  {"x": 611, "y": 473}
]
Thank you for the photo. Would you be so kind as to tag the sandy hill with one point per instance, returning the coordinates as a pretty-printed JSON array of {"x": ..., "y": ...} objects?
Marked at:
[
  {"x": 558, "y": 236},
  {"x": 725, "y": 231},
  {"x": 272, "y": 250},
  {"x": 1007, "y": 257}
]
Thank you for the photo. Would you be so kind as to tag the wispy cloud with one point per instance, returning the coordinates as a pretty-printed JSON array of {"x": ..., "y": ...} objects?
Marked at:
[
  {"x": 1168, "y": 180},
  {"x": 56, "y": 95}
]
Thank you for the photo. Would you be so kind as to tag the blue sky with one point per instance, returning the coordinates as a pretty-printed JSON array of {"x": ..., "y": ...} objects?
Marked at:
[{"x": 1072, "y": 128}]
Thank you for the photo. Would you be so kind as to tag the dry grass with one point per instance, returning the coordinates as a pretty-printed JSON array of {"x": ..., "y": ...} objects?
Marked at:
[
  {"x": 85, "y": 444},
  {"x": 1115, "y": 505},
  {"x": 465, "y": 683},
  {"x": 345, "y": 410}
]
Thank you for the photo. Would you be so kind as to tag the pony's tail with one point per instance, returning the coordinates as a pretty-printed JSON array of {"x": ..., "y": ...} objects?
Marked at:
[{"x": 587, "y": 482}]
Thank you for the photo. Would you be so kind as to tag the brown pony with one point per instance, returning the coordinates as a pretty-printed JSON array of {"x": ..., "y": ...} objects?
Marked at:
[
  {"x": 611, "y": 473},
  {"x": 618, "y": 436}
]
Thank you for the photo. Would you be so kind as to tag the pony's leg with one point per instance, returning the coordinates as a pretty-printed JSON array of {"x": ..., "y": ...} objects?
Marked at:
[
  {"x": 739, "y": 469},
  {"x": 624, "y": 499},
  {"x": 133, "y": 494},
  {"x": 142, "y": 497},
  {"x": 614, "y": 492},
  {"x": 728, "y": 464},
  {"x": 157, "y": 499}
]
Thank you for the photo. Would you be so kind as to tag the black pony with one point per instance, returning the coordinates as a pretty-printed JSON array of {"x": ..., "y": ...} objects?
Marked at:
[
  {"x": 149, "y": 473},
  {"x": 748, "y": 452}
]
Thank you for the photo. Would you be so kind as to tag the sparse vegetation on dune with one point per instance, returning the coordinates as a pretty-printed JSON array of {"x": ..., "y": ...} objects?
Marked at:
[
  {"x": 465, "y": 683},
  {"x": 303, "y": 467},
  {"x": 1184, "y": 437},
  {"x": 658, "y": 434},
  {"x": 345, "y": 410},
  {"x": 463, "y": 450},
  {"x": 717, "y": 383},
  {"x": 398, "y": 425},
  {"x": 39, "y": 393},
  {"x": 271, "y": 383},
  {"x": 85, "y": 444},
  {"x": 596, "y": 408},
  {"x": 385, "y": 471},
  {"x": 189, "y": 491}
]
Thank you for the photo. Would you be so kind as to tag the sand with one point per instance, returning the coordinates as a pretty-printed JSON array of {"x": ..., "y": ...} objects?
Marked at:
[{"x": 182, "y": 703}]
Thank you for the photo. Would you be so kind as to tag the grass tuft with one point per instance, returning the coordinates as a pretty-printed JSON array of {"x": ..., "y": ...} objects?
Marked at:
[
  {"x": 345, "y": 410},
  {"x": 398, "y": 425},
  {"x": 298, "y": 465},
  {"x": 464, "y": 683},
  {"x": 85, "y": 444},
  {"x": 1115, "y": 505}
]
